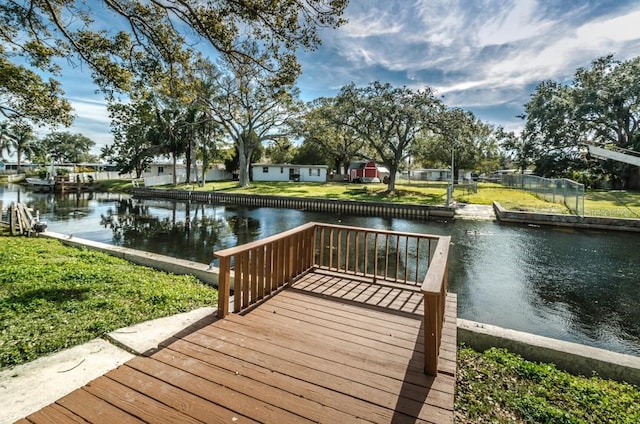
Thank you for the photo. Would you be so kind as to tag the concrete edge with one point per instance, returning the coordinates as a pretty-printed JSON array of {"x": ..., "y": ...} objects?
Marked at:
[
  {"x": 26, "y": 388},
  {"x": 571, "y": 357},
  {"x": 206, "y": 273},
  {"x": 571, "y": 221},
  {"x": 145, "y": 337}
]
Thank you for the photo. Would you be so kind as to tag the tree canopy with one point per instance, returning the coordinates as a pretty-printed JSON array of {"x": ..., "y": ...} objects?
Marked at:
[
  {"x": 110, "y": 36},
  {"x": 249, "y": 102},
  {"x": 323, "y": 130},
  {"x": 65, "y": 146},
  {"x": 389, "y": 119},
  {"x": 601, "y": 106}
]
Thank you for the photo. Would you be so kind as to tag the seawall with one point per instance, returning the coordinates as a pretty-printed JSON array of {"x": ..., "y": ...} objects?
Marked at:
[
  {"x": 572, "y": 221},
  {"x": 311, "y": 204}
]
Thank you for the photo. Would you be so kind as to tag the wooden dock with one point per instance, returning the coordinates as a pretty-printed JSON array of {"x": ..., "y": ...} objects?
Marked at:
[
  {"x": 315, "y": 352},
  {"x": 327, "y": 346}
]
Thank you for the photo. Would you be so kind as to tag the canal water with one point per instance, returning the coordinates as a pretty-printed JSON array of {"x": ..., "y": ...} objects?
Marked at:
[{"x": 579, "y": 286}]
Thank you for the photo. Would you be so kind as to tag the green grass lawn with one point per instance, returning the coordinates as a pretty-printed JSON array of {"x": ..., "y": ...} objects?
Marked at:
[
  {"x": 509, "y": 198},
  {"x": 598, "y": 203},
  {"x": 376, "y": 192},
  {"x": 53, "y": 297},
  {"x": 613, "y": 203},
  {"x": 499, "y": 387}
]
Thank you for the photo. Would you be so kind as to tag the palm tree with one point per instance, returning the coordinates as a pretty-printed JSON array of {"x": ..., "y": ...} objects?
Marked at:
[
  {"x": 22, "y": 140},
  {"x": 166, "y": 134},
  {"x": 6, "y": 138}
]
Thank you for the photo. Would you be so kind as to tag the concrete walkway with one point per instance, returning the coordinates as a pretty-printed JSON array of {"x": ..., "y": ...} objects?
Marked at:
[
  {"x": 479, "y": 212},
  {"x": 26, "y": 388}
]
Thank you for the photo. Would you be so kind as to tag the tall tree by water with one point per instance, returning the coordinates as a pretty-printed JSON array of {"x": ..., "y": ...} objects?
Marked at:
[
  {"x": 22, "y": 141},
  {"x": 131, "y": 150},
  {"x": 323, "y": 128},
  {"x": 65, "y": 146},
  {"x": 459, "y": 135},
  {"x": 391, "y": 120},
  {"x": 251, "y": 102},
  {"x": 6, "y": 138}
]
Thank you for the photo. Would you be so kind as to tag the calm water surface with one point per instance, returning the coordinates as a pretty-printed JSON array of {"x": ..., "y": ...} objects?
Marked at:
[{"x": 580, "y": 286}]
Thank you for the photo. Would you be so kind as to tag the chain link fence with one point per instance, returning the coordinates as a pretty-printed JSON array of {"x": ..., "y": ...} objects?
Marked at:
[{"x": 555, "y": 190}]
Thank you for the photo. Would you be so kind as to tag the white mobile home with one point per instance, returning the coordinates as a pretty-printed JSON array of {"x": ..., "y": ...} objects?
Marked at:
[{"x": 289, "y": 172}]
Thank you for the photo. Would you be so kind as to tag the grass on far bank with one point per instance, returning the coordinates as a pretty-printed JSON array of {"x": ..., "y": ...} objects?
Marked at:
[
  {"x": 500, "y": 387},
  {"x": 431, "y": 194},
  {"x": 612, "y": 203},
  {"x": 118, "y": 186},
  {"x": 53, "y": 297},
  {"x": 509, "y": 198}
]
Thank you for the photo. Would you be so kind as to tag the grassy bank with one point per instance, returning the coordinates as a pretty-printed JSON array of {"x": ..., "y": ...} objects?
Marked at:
[
  {"x": 598, "y": 203},
  {"x": 431, "y": 194},
  {"x": 613, "y": 203},
  {"x": 500, "y": 387},
  {"x": 53, "y": 297},
  {"x": 509, "y": 198}
]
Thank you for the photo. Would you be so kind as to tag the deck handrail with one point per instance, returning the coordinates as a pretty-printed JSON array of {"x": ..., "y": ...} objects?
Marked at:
[
  {"x": 391, "y": 256},
  {"x": 400, "y": 258},
  {"x": 263, "y": 266},
  {"x": 434, "y": 290}
]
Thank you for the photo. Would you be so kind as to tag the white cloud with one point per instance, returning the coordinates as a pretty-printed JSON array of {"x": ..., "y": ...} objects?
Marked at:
[
  {"x": 521, "y": 20},
  {"x": 90, "y": 109}
]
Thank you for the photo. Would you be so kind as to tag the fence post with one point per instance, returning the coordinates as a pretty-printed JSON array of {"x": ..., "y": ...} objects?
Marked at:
[{"x": 223, "y": 286}]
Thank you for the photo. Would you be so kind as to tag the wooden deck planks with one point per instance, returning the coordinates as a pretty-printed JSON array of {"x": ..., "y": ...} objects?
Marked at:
[{"x": 327, "y": 349}]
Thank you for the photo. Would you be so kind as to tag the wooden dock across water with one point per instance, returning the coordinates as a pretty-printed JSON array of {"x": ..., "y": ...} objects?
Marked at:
[{"x": 327, "y": 349}]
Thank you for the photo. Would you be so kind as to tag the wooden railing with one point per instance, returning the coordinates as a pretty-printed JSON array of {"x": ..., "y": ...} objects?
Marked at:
[
  {"x": 378, "y": 254},
  {"x": 416, "y": 261},
  {"x": 263, "y": 266},
  {"x": 434, "y": 289}
]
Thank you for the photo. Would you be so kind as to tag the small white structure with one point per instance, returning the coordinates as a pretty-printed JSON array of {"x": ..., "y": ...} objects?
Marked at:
[
  {"x": 289, "y": 172},
  {"x": 429, "y": 175},
  {"x": 161, "y": 173}
]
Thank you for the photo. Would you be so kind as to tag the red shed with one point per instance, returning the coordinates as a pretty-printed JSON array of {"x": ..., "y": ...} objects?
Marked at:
[{"x": 364, "y": 171}]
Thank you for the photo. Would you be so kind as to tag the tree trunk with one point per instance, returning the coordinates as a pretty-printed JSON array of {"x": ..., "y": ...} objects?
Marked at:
[
  {"x": 243, "y": 169},
  {"x": 188, "y": 158},
  {"x": 391, "y": 187},
  {"x": 205, "y": 166},
  {"x": 175, "y": 175},
  {"x": 19, "y": 155}
]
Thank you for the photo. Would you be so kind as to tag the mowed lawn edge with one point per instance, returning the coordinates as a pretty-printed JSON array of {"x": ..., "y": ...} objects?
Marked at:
[{"x": 54, "y": 297}]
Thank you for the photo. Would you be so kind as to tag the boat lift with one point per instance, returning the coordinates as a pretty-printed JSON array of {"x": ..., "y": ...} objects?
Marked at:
[{"x": 618, "y": 154}]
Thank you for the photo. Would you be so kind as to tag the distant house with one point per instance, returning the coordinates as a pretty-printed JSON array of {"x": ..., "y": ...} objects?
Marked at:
[
  {"x": 429, "y": 174},
  {"x": 161, "y": 173},
  {"x": 289, "y": 172},
  {"x": 367, "y": 172}
]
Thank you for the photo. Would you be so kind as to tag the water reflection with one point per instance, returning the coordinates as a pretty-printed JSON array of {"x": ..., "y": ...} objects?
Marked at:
[{"x": 572, "y": 285}]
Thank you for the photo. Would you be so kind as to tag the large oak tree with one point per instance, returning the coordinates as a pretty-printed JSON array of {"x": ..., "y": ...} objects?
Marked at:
[
  {"x": 250, "y": 102},
  {"x": 390, "y": 120}
]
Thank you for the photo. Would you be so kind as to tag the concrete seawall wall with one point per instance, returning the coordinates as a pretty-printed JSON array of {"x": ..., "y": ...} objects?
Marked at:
[
  {"x": 311, "y": 204},
  {"x": 572, "y": 357},
  {"x": 573, "y": 221}
]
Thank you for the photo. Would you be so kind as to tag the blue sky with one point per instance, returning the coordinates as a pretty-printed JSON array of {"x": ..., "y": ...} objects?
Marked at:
[{"x": 486, "y": 56}]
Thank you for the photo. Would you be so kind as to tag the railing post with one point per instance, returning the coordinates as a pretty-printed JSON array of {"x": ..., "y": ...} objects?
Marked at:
[
  {"x": 432, "y": 333},
  {"x": 223, "y": 286}
]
